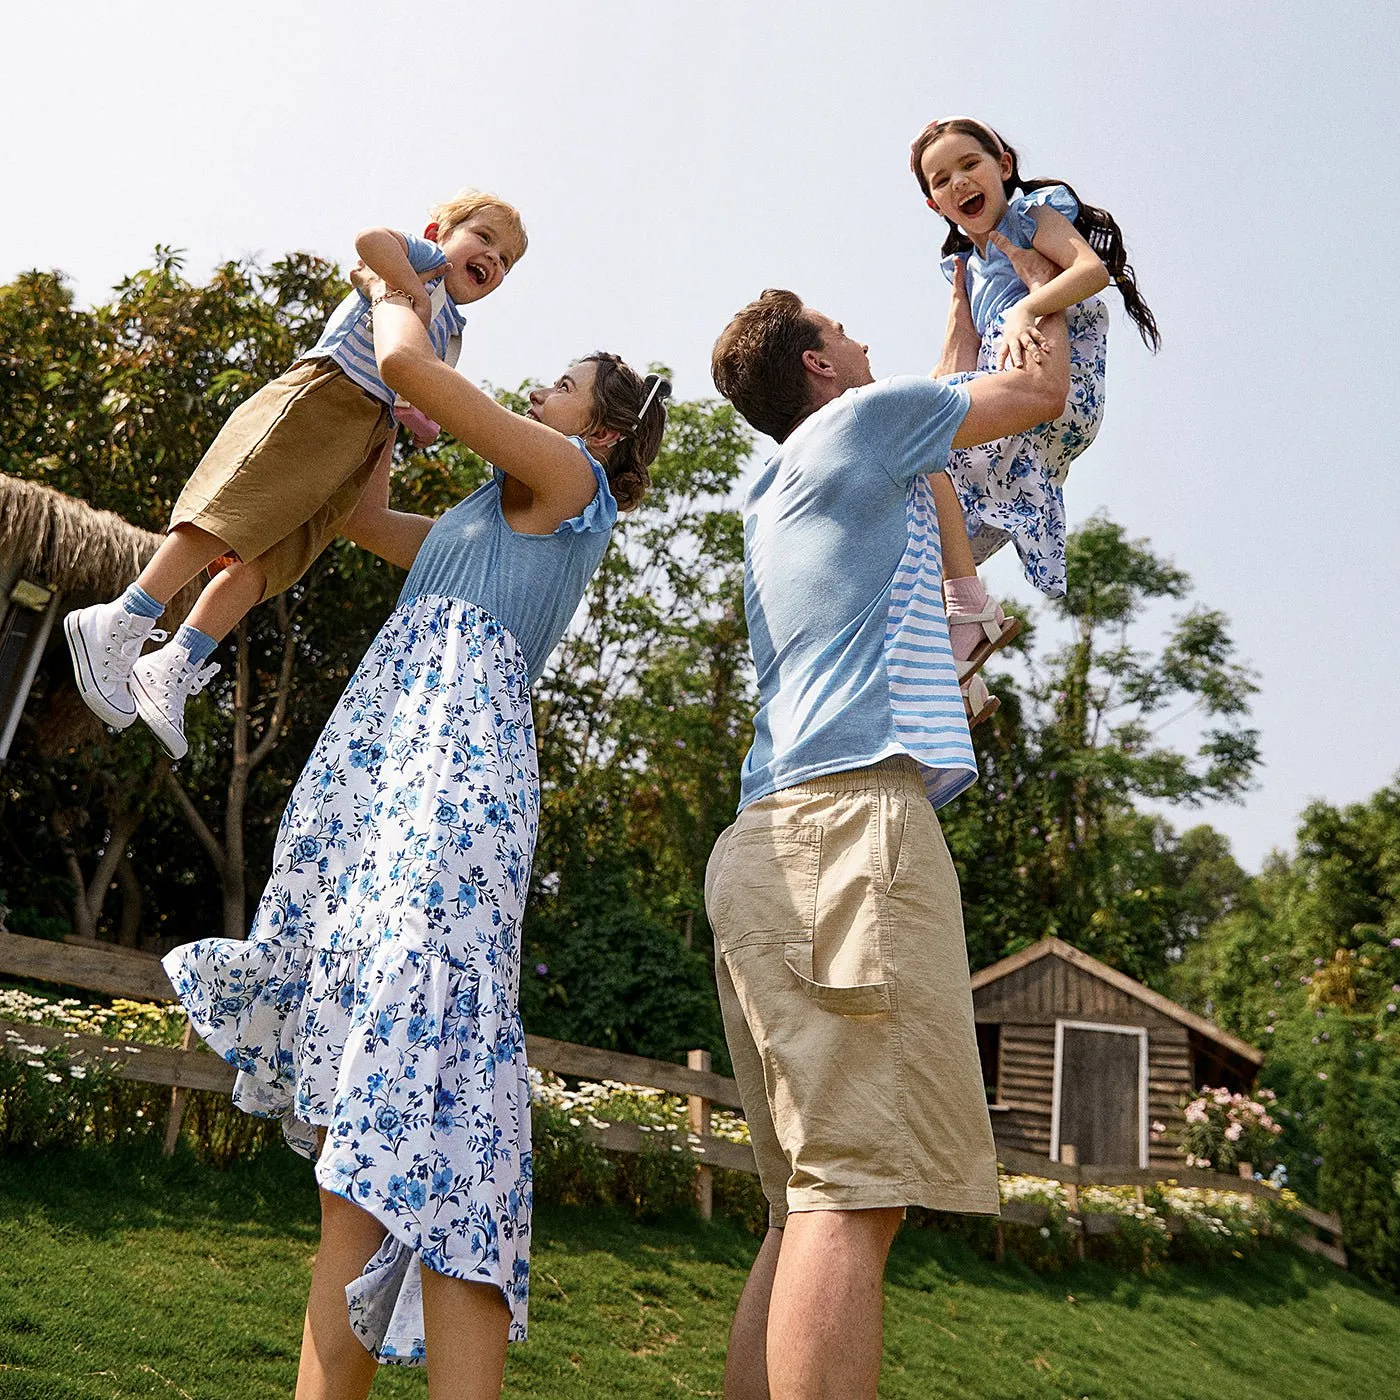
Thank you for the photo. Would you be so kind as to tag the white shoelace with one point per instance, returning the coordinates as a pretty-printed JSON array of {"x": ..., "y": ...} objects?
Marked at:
[
  {"x": 186, "y": 679},
  {"x": 127, "y": 651}
]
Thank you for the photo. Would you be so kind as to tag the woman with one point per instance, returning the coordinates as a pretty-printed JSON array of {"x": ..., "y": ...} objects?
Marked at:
[{"x": 375, "y": 1003}]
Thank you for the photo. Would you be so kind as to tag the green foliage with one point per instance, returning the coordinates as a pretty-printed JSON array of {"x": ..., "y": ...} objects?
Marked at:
[
  {"x": 1050, "y": 841},
  {"x": 197, "y": 1279},
  {"x": 1309, "y": 968},
  {"x": 1355, "y": 1178},
  {"x": 643, "y": 722}
]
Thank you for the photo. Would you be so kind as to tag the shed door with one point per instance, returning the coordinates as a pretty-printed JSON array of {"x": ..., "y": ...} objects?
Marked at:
[{"x": 1099, "y": 1083}]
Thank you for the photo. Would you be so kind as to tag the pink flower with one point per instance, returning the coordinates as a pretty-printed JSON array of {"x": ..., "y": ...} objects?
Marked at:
[
  {"x": 1322, "y": 1074},
  {"x": 1233, "y": 1132}
]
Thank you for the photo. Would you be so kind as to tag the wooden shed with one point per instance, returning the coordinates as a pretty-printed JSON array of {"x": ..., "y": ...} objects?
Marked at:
[{"x": 1075, "y": 1052}]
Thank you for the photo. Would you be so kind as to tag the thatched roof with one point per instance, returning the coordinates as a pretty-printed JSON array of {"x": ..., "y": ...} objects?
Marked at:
[{"x": 65, "y": 543}]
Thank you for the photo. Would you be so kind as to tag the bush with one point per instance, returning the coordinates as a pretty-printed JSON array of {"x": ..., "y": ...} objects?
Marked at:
[{"x": 1225, "y": 1129}]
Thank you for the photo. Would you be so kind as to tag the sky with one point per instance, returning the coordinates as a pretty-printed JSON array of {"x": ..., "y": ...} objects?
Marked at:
[{"x": 673, "y": 159}]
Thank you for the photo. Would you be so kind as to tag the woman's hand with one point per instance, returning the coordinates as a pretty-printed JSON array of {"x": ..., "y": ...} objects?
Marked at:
[
  {"x": 421, "y": 428},
  {"x": 1021, "y": 338},
  {"x": 370, "y": 285}
]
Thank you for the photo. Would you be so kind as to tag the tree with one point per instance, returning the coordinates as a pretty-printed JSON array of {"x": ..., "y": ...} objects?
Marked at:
[
  {"x": 643, "y": 720},
  {"x": 1308, "y": 968},
  {"x": 1051, "y": 840}
]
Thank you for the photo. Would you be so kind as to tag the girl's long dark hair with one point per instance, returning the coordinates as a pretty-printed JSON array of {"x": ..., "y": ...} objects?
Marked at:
[{"x": 1100, "y": 229}]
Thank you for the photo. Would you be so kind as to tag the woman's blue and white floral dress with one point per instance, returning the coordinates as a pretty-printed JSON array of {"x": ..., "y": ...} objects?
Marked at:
[
  {"x": 377, "y": 995},
  {"x": 1011, "y": 488}
]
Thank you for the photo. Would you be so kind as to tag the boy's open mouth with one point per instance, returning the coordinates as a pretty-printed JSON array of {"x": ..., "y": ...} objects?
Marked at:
[
  {"x": 478, "y": 274},
  {"x": 972, "y": 206}
]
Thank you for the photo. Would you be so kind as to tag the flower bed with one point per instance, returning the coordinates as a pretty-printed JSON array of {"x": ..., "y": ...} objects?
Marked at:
[{"x": 49, "y": 1099}]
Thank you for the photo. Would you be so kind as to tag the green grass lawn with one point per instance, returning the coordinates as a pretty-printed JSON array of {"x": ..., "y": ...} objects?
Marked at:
[{"x": 134, "y": 1277}]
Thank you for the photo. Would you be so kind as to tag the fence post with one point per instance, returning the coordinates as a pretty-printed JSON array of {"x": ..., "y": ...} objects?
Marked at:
[
  {"x": 179, "y": 1098},
  {"x": 1246, "y": 1171},
  {"x": 699, "y": 1114},
  {"x": 1069, "y": 1156}
]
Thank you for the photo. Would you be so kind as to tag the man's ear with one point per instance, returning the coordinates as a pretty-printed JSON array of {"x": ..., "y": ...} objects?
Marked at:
[
  {"x": 431, "y": 232},
  {"x": 816, "y": 362}
]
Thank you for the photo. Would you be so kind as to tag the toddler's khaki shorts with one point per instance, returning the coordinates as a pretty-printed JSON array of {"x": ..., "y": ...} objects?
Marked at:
[
  {"x": 287, "y": 470},
  {"x": 843, "y": 980}
]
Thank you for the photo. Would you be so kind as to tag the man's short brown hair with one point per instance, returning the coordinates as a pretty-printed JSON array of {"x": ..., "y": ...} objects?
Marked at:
[{"x": 757, "y": 362}]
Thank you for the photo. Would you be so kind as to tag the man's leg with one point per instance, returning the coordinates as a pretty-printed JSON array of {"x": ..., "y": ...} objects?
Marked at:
[
  {"x": 746, "y": 1364},
  {"x": 825, "y": 1315}
]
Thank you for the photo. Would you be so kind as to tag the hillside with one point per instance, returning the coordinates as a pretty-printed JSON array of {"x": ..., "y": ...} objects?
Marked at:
[{"x": 133, "y": 1277}]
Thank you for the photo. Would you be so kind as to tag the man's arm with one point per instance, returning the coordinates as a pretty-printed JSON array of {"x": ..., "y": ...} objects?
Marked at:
[
  {"x": 1017, "y": 399},
  {"x": 960, "y": 341}
]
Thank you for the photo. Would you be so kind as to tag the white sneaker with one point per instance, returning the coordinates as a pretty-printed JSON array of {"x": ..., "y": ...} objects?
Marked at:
[
  {"x": 104, "y": 642},
  {"x": 161, "y": 682}
]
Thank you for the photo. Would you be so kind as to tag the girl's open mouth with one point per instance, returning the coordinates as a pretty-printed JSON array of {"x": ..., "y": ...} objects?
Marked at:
[{"x": 973, "y": 205}]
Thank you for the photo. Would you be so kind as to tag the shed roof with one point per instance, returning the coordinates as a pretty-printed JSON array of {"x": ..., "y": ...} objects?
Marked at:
[
  {"x": 1057, "y": 948},
  {"x": 68, "y": 544}
]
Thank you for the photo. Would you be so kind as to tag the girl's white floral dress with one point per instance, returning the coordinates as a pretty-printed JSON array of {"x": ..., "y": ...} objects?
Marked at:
[
  {"x": 377, "y": 995},
  {"x": 1010, "y": 489}
]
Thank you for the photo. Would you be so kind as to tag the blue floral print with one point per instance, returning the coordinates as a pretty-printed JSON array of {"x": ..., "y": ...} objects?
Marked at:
[
  {"x": 1011, "y": 488},
  {"x": 377, "y": 995}
]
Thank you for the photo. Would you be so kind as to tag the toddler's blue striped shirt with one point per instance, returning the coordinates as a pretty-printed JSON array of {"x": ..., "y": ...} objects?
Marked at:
[{"x": 348, "y": 338}]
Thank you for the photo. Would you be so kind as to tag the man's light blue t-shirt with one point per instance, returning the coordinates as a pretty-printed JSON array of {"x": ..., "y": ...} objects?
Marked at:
[{"x": 843, "y": 589}]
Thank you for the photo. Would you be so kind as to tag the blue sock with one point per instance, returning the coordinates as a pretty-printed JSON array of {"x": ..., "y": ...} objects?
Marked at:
[
  {"x": 198, "y": 644},
  {"x": 137, "y": 600}
]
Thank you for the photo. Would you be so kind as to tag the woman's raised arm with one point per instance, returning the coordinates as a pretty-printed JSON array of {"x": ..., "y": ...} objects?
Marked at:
[
  {"x": 553, "y": 468},
  {"x": 395, "y": 535}
]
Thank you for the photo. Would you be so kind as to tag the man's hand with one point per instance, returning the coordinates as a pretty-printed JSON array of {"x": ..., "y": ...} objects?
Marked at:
[{"x": 1029, "y": 264}]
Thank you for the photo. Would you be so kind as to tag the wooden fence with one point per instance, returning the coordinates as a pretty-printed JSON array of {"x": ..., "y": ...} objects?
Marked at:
[{"x": 104, "y": 968}]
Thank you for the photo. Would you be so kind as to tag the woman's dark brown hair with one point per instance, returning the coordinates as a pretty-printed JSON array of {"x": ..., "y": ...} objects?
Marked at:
[
  {"x": 1100, "y": 229},
  {"x": 757, "y": 362},
  {"x": 619, "y": 394}
]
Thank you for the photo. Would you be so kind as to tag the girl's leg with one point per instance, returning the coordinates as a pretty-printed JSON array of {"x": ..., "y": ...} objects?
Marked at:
[
  {"x": 334, "y": 1362},
  {"x": 182, "y": 554},
  {"x": 976, "y": 626},
  {"x": 952, "y": 529},
  {"x": 466, "y": 1326}
]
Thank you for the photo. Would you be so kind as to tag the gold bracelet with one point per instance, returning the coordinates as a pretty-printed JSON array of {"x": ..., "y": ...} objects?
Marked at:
[{"x": 390, "y": 293}]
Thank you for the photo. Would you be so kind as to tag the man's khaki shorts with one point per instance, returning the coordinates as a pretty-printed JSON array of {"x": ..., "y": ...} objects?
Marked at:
[
  {"x": 847, "y": 1005},
  {"x": 287, "y": 470}
]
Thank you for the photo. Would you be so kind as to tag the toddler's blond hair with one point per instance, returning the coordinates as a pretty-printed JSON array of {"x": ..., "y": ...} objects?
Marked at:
[{"x": 463, "y": 206}]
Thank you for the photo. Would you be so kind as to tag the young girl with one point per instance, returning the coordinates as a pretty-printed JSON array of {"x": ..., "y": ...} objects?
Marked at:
[
  {"x": 375, "y": 1004},
  {"x": 1011, "y": 489}
]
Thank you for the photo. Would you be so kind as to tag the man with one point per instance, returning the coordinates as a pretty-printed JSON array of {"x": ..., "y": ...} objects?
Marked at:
[{"x": 840, "y": 956}]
